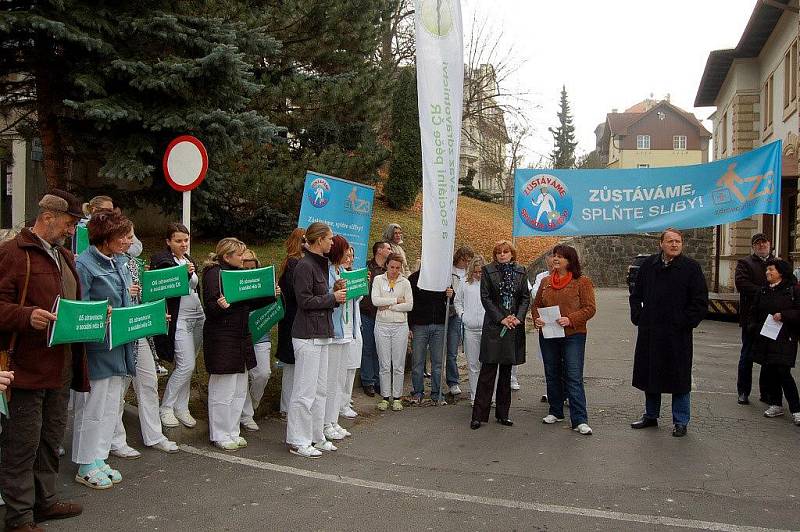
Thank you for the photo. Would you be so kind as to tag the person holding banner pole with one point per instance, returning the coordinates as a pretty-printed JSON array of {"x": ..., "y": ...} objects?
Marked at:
[
  {"x": 352, "y": 360},
  {"x": 104, "y": 275},
  {"x": 312, "y": 334},
  {"x": 285, "y": 351},
  {"x": 227, "y": 346},
  {"x": 427, "y": 321},
  {"x": 343, "y": 336},
  {"x": 185, "y": 335}
]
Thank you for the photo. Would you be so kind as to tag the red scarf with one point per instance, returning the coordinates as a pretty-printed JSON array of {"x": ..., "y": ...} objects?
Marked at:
[{"x": 558, "y": 282}]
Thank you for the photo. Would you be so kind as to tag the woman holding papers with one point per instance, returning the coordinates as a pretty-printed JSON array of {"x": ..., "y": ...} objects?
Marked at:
[
  {"x": 392, "y": 296},
  {"x": 103, "y": 276},
  {"x": 505, "y": 298},
  {"x": 343, "y": 337},
  {"x": 185, "y": 335},
  {"x": 285, "y": 351},
  {"x": 352, "y": 359},
  {"x": 227, "y": 346},
  {"x": 563, "y": 305},
  {"x": 470, "y": 309},
  {"x": 775, "y": 314},
  {"x": 312, "y": 334}
]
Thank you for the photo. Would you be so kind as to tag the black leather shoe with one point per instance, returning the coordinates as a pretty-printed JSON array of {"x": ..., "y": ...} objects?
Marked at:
[
  {"x": 474, "y": 424},
  {"x": 507, "y": 422},
  {"x": 644, "y": 423},
  {"x": 743, "y": 400},
  {"x": 369, "y": 390},
  {"x": 679, "y": 431}
]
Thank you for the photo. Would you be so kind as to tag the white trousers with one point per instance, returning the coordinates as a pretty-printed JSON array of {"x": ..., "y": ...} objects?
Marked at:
[
  {"x": 96, "y": 416},
  {"x": 306, "y": 415},
  {"x": 226, "y": 395},
  {"x": 391, "y": 341},
  {"x": 346, "y": 394},
  {"x": 145, "y": 384},
  {"x": 287, "y": 383},
  {"x": 188, "y": 341},
  {"x": 337, "y": 372},
  {"x": 472, "y": 350},
  {"x": 258, "y": 376}
]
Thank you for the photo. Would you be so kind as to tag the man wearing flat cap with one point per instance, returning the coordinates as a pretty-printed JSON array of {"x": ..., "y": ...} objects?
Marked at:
[
  {"x": 35, "y": 268},
  {"x": 751, "y": 277}
]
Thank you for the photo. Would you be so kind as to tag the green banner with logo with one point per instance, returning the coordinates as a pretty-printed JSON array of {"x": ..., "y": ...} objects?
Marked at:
[
  {"x": 139, "y": 321},
  {"x": 165, "y": 283},
  {"x": 241, "y": 285},
  {"x": 264, "y": 319},
  {"x": 81, "y": 239},
  {"x": 357, "y": 282},
  {"x": 78, "y": 321}
]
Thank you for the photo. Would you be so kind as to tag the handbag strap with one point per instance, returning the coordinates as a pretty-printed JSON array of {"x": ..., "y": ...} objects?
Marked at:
[{"x": 22, "y": 298}]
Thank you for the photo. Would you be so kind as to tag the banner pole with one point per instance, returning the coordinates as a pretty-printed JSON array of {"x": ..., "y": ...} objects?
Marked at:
[{"x": 443, "y": 364}]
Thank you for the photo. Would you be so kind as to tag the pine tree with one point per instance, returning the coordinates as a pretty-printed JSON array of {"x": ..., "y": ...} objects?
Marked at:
[
  {"x": 563, "y": 155},
  {"x": 405, "y": 175}
]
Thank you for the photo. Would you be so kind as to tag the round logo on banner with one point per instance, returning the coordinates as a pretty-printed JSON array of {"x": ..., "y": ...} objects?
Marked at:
[
  {"x": 437, "y": 16},
  {"x": 319, "y": 192},
  {"x": 545, "y": 204}
]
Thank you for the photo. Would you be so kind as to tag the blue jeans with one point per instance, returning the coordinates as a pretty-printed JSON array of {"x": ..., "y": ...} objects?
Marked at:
[
  {"x": 369, "y": 353},
  {"x": 454, "y": 335},
  {"x": 427, "y": 336},
  {"x": 680, "y": 407},
  {"x": 563, "y": 358}
]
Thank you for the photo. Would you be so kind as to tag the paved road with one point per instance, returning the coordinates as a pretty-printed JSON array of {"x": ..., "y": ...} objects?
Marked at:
[{"x": 424, "y": 468}]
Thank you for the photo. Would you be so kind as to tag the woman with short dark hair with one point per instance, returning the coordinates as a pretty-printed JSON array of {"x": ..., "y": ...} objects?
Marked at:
[{"x": 573, "y": 294}]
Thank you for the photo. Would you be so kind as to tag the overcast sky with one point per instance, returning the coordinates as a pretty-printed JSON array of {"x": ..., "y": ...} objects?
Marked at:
[{"x": 609, "y": 54}]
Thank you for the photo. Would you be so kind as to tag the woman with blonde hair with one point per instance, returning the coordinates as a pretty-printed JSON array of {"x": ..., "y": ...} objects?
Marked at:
[
  {"x": 312, "y": 334},
  {"x": 227, "y": 346},
  {"x": 470, "y": 309},
  {"x": 285, "y": 351}
]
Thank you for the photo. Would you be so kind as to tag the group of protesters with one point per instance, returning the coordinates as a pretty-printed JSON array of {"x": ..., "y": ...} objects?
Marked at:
[{"x": 326, "y": 338}]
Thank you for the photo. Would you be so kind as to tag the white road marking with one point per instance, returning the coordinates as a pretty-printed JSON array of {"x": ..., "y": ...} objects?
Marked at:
[{"x": 488, "y": 501}]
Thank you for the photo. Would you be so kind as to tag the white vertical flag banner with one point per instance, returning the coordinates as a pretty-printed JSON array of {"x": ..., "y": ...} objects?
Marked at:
[{"x": 440, "y": 92}]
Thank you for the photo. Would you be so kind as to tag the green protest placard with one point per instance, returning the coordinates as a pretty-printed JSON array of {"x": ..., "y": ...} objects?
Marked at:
[
  {"x": 264, "y": 319},
  {"x": 81, "y": 239},
  {"x": 3, "y": 405},
  {"x": 78, "y": 321},
  {"x": 139, "y": 321},
  {"x": 240, "y": 285},
  {"x": 357, "y": 282},
  {"x": 165, "y": 283}
]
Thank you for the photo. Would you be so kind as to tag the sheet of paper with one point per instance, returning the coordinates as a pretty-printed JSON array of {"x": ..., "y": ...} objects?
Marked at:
[
  {"x": 551, "y": 329},
  {"x": 771, "y": 327}
]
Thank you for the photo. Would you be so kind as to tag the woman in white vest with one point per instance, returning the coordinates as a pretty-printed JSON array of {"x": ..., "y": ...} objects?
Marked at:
[
  {"x": 470, "y": 309},
  {"x": 352, "y": 360},
  {"x": 392, "y": 296}
]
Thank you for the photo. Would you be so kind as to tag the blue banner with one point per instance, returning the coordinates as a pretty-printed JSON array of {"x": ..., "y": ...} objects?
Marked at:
[
  {"x": 344, "y": 205},
  {"x": 640, "y": 200}
]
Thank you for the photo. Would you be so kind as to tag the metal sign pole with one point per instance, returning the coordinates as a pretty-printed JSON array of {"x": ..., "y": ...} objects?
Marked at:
[{"x": 187, "y": 210}]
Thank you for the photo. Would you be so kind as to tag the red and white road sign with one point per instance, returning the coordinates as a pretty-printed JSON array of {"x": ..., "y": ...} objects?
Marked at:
[{"x": 185, "y": 163}]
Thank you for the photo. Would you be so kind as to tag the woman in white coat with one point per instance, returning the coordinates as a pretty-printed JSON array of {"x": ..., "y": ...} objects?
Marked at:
[
  {"x": 352, "y": 359},
  {"x": 392, "y": 296},
  {"x": 470, "y": 309}
]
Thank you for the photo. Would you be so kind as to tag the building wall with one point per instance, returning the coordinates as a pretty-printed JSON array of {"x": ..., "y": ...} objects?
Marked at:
[
  {"x": 662, "y": 131},
  {"x": 658, "y": 158}
]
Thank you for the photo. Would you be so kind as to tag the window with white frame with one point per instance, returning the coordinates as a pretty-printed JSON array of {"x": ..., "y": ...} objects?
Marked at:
[
  {"x": 679, "y": 142},
  {"x": 642, "y": 142},
  {"x": 790, "y": 75}
]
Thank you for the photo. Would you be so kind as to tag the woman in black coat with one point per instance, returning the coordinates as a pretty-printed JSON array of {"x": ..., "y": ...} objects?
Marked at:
[
  {"x": 227, "y": 346},
  {"x": 780, "y": 299},
  {"x": 505, "y": 297},
  {"x": 285, "y": 352}
]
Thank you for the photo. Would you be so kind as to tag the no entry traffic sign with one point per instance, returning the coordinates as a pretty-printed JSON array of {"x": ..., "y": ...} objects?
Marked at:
[{"x": 185, "y": 163}]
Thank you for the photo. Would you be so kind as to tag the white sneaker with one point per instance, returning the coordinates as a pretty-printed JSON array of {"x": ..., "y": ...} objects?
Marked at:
[
  {"x": 331, "y": 433},
  {"x": 550, "y": 419},
  {"x": 514, "y": 384},
  {"x": 773, "y": 411},
  {"x": 584, "y": 429},
  {"x": 341, "y": 430},
  {"x": 166, "y": 445},
  {"x": 161, "y": 371},
  {"x": 227, "y": 445},
  {"x": 250, "y": 425},
  {"x": 796, "y": 418},
  {"x": 169, "y": 420},
  {"x": 325, "y": 446},
  {"x": 349, "y": 413},
  {"x": 306, "y": 451},
  {"x": 127, "y": 452},
  {"x": 186, "y": 419},
  {"x": 241, "y": 442},
  {"x": 455, "y": 389}
]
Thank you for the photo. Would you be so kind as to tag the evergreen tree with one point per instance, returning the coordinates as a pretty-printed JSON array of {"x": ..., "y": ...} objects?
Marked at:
[
  {"x": 563, "y": 155},
  {"x": 115, "y": 81},
  {"x": 405, "y": 174}
]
